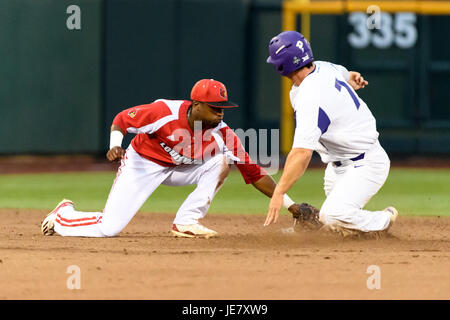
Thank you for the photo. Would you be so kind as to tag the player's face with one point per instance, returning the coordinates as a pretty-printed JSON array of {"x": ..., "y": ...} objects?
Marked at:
[{"x": 210, "y": 116}]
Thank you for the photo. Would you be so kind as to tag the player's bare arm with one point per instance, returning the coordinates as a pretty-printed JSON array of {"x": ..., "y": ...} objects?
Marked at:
[
  {"x": 296, "y": 164},
  {"x": 115, "y": 153},
  {"x": 356, "y": 80},
  {"x": 267, "y": 185}
]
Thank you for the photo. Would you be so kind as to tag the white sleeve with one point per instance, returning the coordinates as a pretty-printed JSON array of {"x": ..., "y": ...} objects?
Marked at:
[
  {"x": 343, "y": 70},
  {"x": 307, "y": 132}
]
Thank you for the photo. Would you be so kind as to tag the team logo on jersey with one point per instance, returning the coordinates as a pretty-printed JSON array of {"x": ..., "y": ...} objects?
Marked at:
[
  {"x": 176, "y": 157},
  {"x": 223, "y": 93},
  {"x": 132, "y": 114},
  {"x": 296, "y": 60}
]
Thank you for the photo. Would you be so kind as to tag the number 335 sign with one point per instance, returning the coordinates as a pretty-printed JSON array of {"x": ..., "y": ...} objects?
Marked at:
[{"x": 382, "y": 30}]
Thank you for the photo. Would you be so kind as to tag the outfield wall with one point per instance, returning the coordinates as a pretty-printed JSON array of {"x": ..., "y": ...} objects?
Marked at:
[{"x": 61, "y": 87}]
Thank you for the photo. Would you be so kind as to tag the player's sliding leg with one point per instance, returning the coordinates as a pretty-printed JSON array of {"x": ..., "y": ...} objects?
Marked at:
[
  {"x": 209, "y": 178},
  {"x": 136, "y": 180},
  {"x": 349, "y": 188},
  {"x": 343, "y": 206}
]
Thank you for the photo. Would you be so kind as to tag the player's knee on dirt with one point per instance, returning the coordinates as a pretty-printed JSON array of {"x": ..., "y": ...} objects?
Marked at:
[
  {"x": 330, "y": 215},
  {"x": 330, "y": 220},
  {"x": 110, "y": 230}
]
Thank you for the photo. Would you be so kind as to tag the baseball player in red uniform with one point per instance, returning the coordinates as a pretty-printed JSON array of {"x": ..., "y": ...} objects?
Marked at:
[{"x": 177, "y": 143}]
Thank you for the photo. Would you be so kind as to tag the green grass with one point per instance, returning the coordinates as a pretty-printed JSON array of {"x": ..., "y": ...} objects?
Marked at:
[{"x": 412, "y": 191}]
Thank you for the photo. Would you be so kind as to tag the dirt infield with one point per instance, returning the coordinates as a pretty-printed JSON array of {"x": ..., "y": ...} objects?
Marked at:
[{"x": 247, "y": 261}]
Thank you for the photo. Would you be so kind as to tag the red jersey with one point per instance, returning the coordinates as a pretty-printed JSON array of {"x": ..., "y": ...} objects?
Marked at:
[{"x": 164, "y": 136}]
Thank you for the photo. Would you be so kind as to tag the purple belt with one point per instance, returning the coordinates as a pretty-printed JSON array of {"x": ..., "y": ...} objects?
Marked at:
[{"x": 339, "y": 163}]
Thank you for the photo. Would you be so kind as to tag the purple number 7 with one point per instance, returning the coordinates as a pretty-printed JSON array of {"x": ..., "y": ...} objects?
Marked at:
[{"x": 339, "y": 84}]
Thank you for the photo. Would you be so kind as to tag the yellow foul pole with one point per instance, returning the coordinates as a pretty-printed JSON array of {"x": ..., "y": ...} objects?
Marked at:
[
  {"x": 287, "y": 118},
  {"x": 291, "y": 8}
]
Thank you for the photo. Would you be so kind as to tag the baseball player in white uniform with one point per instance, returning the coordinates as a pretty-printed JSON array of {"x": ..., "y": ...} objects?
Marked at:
[
  {"x": 332, "y": 120},
  {"x": 177, "y": 142}
]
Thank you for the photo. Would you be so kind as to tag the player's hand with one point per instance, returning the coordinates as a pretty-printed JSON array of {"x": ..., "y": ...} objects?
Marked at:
[
  {"x": 115, "y": 154},
  {"x": 357, "y": 81},
  {"x": 274, "y": 209}
]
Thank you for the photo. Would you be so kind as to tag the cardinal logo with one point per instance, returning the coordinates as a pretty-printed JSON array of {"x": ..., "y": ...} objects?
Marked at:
[
  {"x": 222, "y": 93},
  {"x": 132, "y": 114}
]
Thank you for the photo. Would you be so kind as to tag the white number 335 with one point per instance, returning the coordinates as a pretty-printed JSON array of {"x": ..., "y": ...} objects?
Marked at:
[{"x": 399, "y": 29}]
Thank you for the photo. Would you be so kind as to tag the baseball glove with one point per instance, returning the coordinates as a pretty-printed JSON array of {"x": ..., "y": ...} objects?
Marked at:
[{"x": 305, "y": 215}]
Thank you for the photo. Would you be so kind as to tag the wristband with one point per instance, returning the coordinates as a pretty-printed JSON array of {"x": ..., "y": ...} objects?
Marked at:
[
  {"x": 115, "y": 139},
  {"x": 287, "y": 202}
]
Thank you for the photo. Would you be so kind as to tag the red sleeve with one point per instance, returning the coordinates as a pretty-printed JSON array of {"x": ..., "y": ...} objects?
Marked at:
[
  {"x": 141, "y": 119},
  {"x": 250, "y": 171}
]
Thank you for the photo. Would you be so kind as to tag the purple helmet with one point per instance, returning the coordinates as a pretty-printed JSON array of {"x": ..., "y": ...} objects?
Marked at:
[{"x": 289, "y": 51}]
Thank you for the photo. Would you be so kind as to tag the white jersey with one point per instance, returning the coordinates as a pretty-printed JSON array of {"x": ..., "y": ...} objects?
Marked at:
[{"x": 330, "y": 117}]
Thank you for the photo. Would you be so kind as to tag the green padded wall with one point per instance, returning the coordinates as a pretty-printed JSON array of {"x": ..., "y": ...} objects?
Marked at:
[{"x": 50, "y": 83}]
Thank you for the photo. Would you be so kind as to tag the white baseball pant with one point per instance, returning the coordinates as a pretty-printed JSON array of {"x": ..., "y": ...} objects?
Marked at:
[
  {"x": 348, "y": 189},
  {"x": 137, "y": 178}
]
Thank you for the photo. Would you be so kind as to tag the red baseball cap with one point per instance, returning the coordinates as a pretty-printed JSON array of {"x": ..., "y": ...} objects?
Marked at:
[{"x": 212, "y": 92}]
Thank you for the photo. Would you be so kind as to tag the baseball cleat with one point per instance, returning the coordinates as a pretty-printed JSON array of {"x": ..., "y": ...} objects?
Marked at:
[
  {"x": 394, "y": 214},
  {"x": 48, "y": 225},
  {"x": 192, "y": 231},
  {"x": 346, "y": 232}
]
